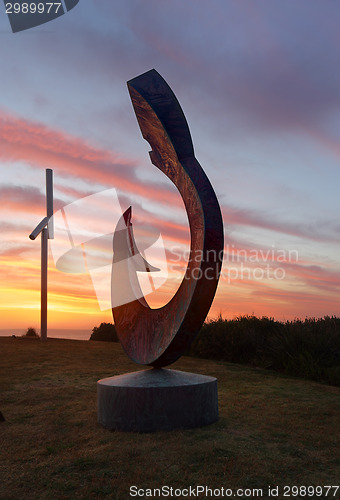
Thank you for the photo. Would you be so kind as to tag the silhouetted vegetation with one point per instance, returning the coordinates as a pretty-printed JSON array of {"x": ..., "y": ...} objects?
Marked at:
[
  {"x": 308, "y": 349},
  {"x": 31, "y": 332},
  {"x": 105, "y": 332}
]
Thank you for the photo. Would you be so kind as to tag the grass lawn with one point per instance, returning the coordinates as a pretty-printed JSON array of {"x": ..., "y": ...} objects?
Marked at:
[{"x": 273, "y": 430}]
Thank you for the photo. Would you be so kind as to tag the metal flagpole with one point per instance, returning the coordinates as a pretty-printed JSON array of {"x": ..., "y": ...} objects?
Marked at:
[
  {"x": 43, "y": 290},
  {"x": 45, "y": 227}
]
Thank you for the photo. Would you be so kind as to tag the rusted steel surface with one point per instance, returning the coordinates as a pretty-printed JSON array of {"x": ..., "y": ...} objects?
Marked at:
[{"x": 159, "y": 337}]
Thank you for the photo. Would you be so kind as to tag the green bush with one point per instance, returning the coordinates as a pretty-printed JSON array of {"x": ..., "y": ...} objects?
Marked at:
[
  {"x": 241, "y": 340},
  {"x": 309, "y": 349},
  {"x": 105, "y": 332}
]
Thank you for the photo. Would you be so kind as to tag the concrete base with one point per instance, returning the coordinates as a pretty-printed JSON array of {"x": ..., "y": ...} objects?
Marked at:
[{"x": 157, "y": 399}]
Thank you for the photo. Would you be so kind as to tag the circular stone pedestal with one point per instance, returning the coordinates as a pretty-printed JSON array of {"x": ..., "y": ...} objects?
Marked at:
[{"x": 157, "y": 399}]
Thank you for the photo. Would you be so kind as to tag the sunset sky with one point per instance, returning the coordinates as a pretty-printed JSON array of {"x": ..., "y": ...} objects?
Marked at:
[{"x": 259, "y": 83}]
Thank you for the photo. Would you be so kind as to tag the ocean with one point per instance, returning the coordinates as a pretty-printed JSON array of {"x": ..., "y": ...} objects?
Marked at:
[{"x": 52, "y": 332}]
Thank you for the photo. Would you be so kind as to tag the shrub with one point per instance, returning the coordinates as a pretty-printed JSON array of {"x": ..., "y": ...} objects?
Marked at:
[
  {"x": 31, "y": 332},
  {"x": 308, "y": 349},
  {"x": 241, "y": 340},
  {"x": 105, "y": 332}
]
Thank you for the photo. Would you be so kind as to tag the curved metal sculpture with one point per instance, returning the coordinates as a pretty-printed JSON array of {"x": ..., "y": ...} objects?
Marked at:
[{"x": 158, "y": 337}]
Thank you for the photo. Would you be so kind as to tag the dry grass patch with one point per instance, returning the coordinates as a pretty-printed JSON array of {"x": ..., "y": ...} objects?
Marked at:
[{"x": 272, "y": 429}]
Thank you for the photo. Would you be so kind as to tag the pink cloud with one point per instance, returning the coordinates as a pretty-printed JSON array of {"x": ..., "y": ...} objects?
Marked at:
[
  {"x": 240, "y": 217},
  {"x": 40, "y": 146},
  {"x": 25, "y": 199},
  {"x": 43, "y": 147}
]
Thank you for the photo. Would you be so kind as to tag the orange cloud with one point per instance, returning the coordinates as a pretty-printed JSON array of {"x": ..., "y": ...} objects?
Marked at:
[{"x": 72, "y": 300}]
